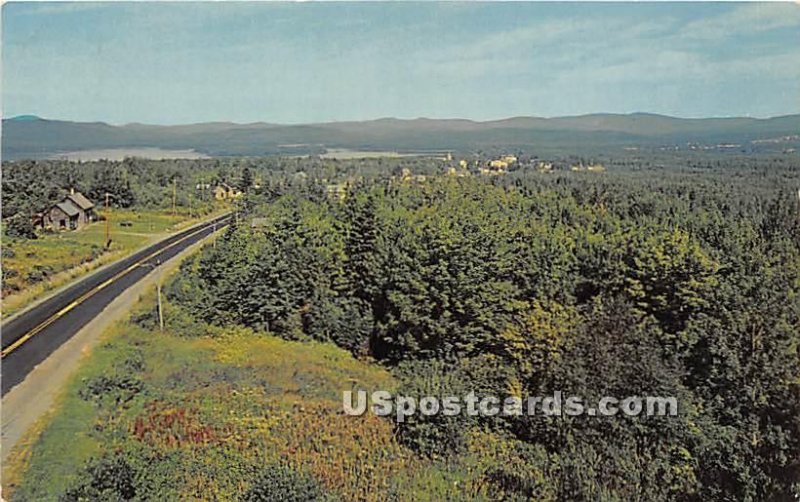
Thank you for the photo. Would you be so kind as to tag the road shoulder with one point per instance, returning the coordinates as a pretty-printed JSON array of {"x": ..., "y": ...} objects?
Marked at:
[
  {"x": 25, "y": 405},
  {"x": 81, "y": 272}
]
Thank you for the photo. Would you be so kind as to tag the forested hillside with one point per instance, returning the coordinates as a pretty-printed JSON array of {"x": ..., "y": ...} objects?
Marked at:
[
  {"x": 625, "y": 284},
  {"x": 34, "y": 137},
  {"x": 640, "y": 280}
]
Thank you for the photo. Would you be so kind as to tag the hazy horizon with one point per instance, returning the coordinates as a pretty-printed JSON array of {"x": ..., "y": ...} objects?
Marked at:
[
  {"x": 26, "y": 116},
  {"x": 302, "y": 63}
]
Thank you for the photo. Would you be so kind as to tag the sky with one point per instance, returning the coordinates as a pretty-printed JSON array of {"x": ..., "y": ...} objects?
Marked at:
[{"x": 305, "y": 62}]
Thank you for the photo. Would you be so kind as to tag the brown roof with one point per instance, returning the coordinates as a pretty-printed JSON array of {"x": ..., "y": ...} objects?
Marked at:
[
  {"x": 80, "y": 201},
  {"x": 69, "y": 208}
]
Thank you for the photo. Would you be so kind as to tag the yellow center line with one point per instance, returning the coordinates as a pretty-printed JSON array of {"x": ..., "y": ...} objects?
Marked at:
[{"x": 27, "y": 336}]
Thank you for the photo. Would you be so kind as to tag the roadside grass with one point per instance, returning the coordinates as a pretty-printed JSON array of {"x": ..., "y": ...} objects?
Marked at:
[
  {"x": 197, "y": 415},
  {"x": 31, "y": 268},
  {"x": 64, "y": 441},
  {"x": 207, "y": 413}
]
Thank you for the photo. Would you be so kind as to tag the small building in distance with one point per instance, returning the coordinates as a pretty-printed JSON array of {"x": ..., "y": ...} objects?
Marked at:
[
  {"x": 499, "y": 166},
  {"x": 224, "y": 191},
  {"x": 337, "y": 191},
  {"x": 73, "y": 212}
]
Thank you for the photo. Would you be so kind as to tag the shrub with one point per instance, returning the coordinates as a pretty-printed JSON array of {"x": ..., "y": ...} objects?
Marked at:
[
  {"x": 432, "y": 435},
  {"x": 146, "y": 318},
  {"x": 280, "y": 482},
  {"x": 39, "y": 273},
  {"x": 122, "y": 388},
  {"x": 346, "y": 322},
  {"x": 20, "y": 226},
  {"x": 107, "y": 478}
]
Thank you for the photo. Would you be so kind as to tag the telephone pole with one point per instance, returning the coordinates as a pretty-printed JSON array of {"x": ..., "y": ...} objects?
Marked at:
[
  {"x": 174, "y": 195},
  {"x": 160, "y": 308},
  {"x": 156, "y": 269},
  {"x": 108, "y": 223}
]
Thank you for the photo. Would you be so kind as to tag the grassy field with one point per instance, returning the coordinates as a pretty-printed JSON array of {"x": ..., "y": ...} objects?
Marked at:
[
  {"x": 118, "y": 154},
  {"x": 196, "y": 412},
  {"x": 218, "y": 407},
  {"x": 31, "y": 268}
]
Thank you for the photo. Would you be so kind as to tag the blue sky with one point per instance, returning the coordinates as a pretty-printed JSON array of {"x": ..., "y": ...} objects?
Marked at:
[{"x": 173, "y": 63}]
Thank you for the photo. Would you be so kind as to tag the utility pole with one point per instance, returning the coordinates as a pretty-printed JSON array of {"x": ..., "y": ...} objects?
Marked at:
[
  {"x": 108, "y": 223},
  {"x": 174, "y": 194},
  {"x": 158, "y": 288},
  {"x": 160, "y": 308}
]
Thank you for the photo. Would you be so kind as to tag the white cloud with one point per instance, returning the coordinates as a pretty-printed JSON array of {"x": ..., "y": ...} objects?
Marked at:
[
  {"x": 683, "y": 67},
  {"x": 750, "y": 19},
  {"x": 622, "y": 50}
]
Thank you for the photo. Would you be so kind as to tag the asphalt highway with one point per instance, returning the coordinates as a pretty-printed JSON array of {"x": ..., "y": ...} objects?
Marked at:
[{"x": 30, "y": 337}]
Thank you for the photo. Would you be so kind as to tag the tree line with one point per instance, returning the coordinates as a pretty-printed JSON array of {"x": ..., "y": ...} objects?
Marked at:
[{"x": 637, "y": 281}]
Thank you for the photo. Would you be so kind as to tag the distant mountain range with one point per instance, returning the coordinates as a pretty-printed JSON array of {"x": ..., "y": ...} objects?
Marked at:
[{"x": 33, "y": 137}]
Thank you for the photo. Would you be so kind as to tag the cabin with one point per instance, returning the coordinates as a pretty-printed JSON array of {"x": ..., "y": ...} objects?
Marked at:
[{"x": 73, "y": 212}]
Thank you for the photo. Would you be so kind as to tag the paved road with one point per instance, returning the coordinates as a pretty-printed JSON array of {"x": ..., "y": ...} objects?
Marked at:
[{"x": 29, "y": 338}]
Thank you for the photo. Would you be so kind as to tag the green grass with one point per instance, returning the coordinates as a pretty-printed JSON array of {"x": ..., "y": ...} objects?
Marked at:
[
  {"x": 212, "y": 409},
  {"x": 33, "y": 267},
  {"x": 248, "y": 391},
  {"x": 65, "y": 442}
]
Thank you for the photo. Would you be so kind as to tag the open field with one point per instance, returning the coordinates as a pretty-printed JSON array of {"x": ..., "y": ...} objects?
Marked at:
[
  {"x": 347, "y": 154},
  {"x": 235, "y": 394},
  {"x": 27, "y": 404},
  {"x": 122, "y": 153},
  {"x": 197, "y": 417},
  {"x": 31, "y": 268}
]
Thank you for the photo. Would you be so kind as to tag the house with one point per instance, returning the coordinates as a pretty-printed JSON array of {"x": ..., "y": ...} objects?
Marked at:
[
  {"x": 503, "y": 163},
  {"x": 71, "y": 213},
  {"x": 224, "y": 191}
]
